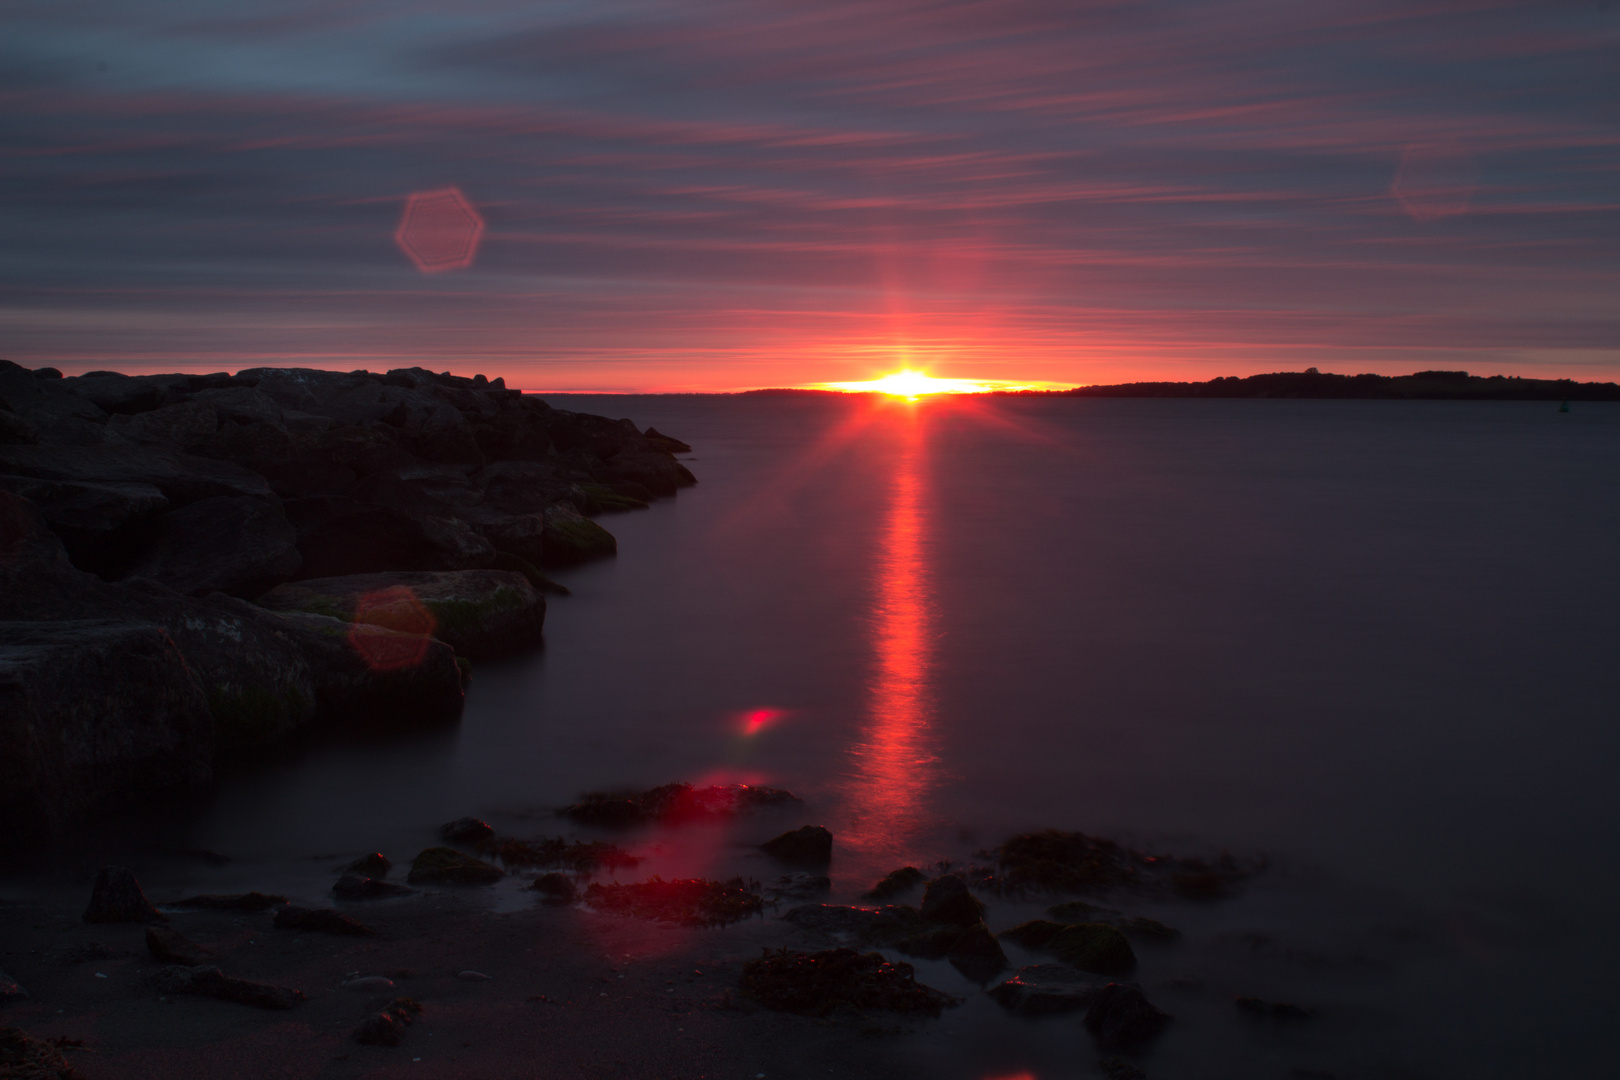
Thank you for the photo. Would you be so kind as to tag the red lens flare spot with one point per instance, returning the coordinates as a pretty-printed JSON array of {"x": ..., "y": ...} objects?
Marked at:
[
  {"x": 439, "y": 230},
  {"x": 756, "y": 720},
  {"x": 1435, "y": 180},
  {"x": 391, "y": 629}
]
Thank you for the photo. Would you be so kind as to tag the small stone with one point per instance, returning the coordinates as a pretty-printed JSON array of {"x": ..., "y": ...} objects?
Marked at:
[
  {"x": 447, "y": 866},
  {"x": 380, "y": 1029},
  {"x": 467, "y": 830},
  {"x": 355, "y": 887},
  {"x": 809, "y": 846},
  {"x": 948, "y": 900},
  {"x": 370, "y": 984},
  {"x": 211, "y": 982},
  {"x": 555, "y": 888},
  {"x": 472, "y": 976},
  {"x": 375, "y": 865},
  {"x": 172, "y": 947},
  {"x": 117, "y": 897},
  {"x": 320, "y": 920},
  {"x": 1121, "y": 1016},
  {"x": 10, "y": 989}
]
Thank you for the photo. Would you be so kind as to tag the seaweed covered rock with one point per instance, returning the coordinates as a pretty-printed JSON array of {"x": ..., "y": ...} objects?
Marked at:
[
  {"x": 1123, "y": 1016},
  {"x": 1093, "y": 947},
  {"x": 1053, "y": 861},
  {"x": 821, "y": 983},
  {"x": 555, "y": 888},
  {"x": 972, "y": 950},
  {"x": 810, "y": 845},
  {"x": 895, "y": 883},
  {"x": 570, "y": 537},
  {"x": 447, "y": 866},
  {"x": 172, "y": 947},
  {"x": 356, "y": 887},
  {"x": 674, "y": 803},
  {"x": 467, "y": 830},
  {"x": 687, "y": 901},
  {"x": 480, "y": 613},
  {"x": 948, "y": 900},
  {"x": 320, "y": 921},
  {"x": 1043, "y": 989},
  {"x": 211, "y": 982},
  {"x": 387, "y": 1028},
  {"x": 117, "y": 897},
  {"x": 375, "y": 865}
]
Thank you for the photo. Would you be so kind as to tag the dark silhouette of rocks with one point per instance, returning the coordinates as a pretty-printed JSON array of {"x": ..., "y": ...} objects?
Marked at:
[
  {"x": 148, "y": 510},
  {"x": 947, "y": 900},
  {"x": 357, "y": 887},
  {"x": 447, "y": 866},
  {"x": 1122, "y": 1016},
  {"x": 895, "y": 883},
  {"x": 467, "y": 830},
  {"x": 820, "y": 983},
  {"x": 375, "y": 865},
  {"x": 807, "y": 846},
  {"x": 117, "y": 897},
  {"x": 1422, "y": 385}
]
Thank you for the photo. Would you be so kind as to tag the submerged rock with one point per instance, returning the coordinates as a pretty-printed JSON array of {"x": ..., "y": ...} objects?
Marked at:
[
  {"x": 387, "y": 1028},
  {"x": 1034, "y": 934},
  {"x": 583, "y": 856},
  {"x": 1055, "y": 861},
  {"x": 321, "y": 921},
  {"x": 356, "y": 887},
  {"x": 172, "y": 947},
  {"x": 447, "y": 866},
  {"x": 1043, "y": 989},
  {"x": 972, "y": 950},
  {"x": 1093, "y": 947},
  {"x": 1122, "y": 1016},
  {"x": 211, "y": 982},
  {"x": 375, "y": 865},
  {"x": 807, "y": 846},
  {"x": 948, "y": 900},
  {"x": 674, "y": 803},
  {"x": 689, "y": 901},
  {"x": 884, "y": 925},
  {"x": 799, "y": 885},
  {"x": 117, "y": 897},
  {"x": 820, "y": 983},
  {"x": 895, "y": 883},
  {"x": 555, "y": 888}
]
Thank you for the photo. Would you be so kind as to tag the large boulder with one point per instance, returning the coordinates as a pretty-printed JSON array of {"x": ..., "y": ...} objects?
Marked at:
[
  {"x": 45, "y": 408},
  {"x": 480, "y": 613},
  {"x": 234, "y": 545},
  {"x": 340, "y": 536},
  {"x": 92, "y": 712},
  {"x": 181, "y": 477},
  {"x": 102, "y": 525},
  {"x": 571, "y": 537}
]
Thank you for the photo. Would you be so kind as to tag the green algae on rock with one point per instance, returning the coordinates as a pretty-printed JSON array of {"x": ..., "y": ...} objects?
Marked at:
[
  {"x": 1093, "y": 947},
  {"x": 447, "y": 866}
]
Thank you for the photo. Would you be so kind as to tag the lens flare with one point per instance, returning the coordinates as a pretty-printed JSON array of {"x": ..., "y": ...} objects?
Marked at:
[
  {"x": 391, "y": 629},
  {"x": 439, "y": 230}
]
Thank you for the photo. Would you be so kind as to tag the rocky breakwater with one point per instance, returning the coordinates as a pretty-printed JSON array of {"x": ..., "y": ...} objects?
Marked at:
[{"x": 193, "y": 567}]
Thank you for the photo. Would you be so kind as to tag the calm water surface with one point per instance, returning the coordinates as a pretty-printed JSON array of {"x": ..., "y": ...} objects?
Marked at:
[{"x": 1372, "y": 642}]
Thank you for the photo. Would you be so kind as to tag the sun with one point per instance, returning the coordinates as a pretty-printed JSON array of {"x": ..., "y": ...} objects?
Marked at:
[{"x": 912, "y": 385}]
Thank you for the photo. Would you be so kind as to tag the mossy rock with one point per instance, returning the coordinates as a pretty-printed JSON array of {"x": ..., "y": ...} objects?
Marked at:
[
  {"x": 569, "y": 537},
  {"x": 1034, "y": 934},
  {"x": 895, "y": 883},
  {"x": 517, "y": 564},
  {"x": 1093, "y": 947},
  {"x": 252, "y": 716},
  {"x": 447, "y": 866}
]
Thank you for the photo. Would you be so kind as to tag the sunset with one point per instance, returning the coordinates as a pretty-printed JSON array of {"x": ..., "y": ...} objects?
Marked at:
[{"x": 780, "y": 539}]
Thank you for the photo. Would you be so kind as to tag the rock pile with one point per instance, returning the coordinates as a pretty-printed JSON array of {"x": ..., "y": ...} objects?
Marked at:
[{"x": 387, "y": 521}]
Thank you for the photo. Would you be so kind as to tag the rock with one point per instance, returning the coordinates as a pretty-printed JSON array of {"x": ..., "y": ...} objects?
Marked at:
[
  {"x": 370, "y": 984},
  {"x": 581, "y": 856},
  {"x": 895, "y": 883},
  {"x": 447, "y": 866},
  {"x": 808, "y": 846},
  {"x": 1121, "y": 1016},
  {"x": 973, "y": 950},
  {"x": 367, "y": 676},
  {"x": 248, "y": 901},
  {"x": 472, "y": 976},
  {"x": 235, "y": 545},
  {"x": 675, "y": 803},
  {"x": 689, "y": 902},
  {"x": 343, "y": 537},
  {"x": 947, "y": 900},
  {"x": 93, "y": 712},
  {"x": 102, "y": 526},
  {"x": 375, "y": 865},
  {"x": 821, "y": 983},
  {"x": 211, "y": 982},
  {"x": 10, "y": 989},
  {"x": 1042, "y": 989},
  {"x": 555, "y": 888},
  {"x": 320, "y": 921},
  {"x": 355, "y": 887},
  {"x": 172, "y": 947},
  {"x": 26, "y": 1058},
  {"x": 1034, "y": 934},
  {"x": 1145, "y": 929},
  {"x": 652, "y": 435},
  {"x": 182, "y": 478},
  {"x": 570, "y": 537},
  {"x": 387, "y": 1028},
  {"x": 117, "y": 897},
  {"x": 480, "y": 613},
  {"x": 1117, "y": 1068},
  {"x": 1093, "y": 947},
  {"x": 467, "y": 830}
]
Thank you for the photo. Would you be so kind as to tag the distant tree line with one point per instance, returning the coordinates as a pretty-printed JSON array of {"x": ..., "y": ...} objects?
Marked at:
[{"x": 1425, "y": 385}]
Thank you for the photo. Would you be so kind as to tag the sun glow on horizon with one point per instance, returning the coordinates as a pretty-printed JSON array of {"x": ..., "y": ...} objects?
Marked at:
[{"x": 912, "y": 385}]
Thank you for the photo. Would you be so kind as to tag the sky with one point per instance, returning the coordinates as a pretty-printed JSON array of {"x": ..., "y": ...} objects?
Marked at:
[{"x": 716, "y": 195}]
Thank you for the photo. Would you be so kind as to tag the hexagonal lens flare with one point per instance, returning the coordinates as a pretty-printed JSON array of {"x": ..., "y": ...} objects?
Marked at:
[
  {"x": 396, "y": 609},
  {"x": 439, "y": 230},
  {"x": 1435, "y": 180}
]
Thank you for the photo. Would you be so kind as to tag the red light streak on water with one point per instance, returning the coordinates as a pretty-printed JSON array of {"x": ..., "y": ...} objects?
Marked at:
[{"x": 893, "y": 760}]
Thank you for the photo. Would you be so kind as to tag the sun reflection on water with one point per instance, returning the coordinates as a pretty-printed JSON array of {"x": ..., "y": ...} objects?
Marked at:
[{"x": 893, "y": 760}]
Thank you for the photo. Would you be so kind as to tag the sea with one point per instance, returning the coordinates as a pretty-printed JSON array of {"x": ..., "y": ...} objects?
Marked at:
[{"x": 1372, "y": 647}]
